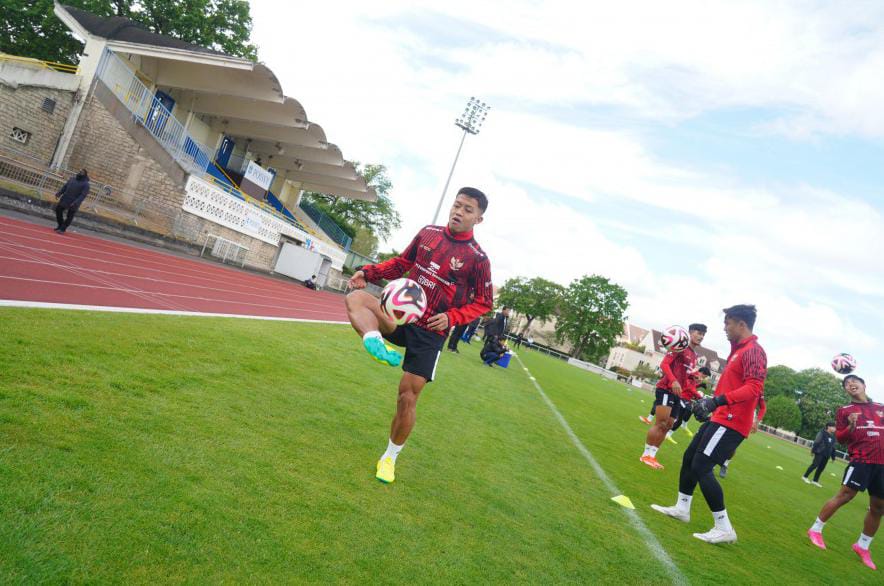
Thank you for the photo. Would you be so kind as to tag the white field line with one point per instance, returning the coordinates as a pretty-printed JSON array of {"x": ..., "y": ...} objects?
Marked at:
[
  {"x": 650, "y": 540},
  {"x": 70, "y": 306}
]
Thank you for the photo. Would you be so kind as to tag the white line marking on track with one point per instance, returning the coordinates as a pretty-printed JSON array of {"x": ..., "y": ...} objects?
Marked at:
[
  {"x": 650, "y": 540},
  {"x": 111, "y": 309}
]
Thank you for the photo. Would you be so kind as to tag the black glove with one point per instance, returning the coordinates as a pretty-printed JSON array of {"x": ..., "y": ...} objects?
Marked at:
[{"x": 703, "y": 408}]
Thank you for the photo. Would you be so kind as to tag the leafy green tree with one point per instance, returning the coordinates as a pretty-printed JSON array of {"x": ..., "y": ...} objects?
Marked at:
[
  {"x": 380, "y": 217},
  {"x": 820, "y": 395},
  {"x": 382, "y": 256},
  {"x": 781, "y": 380},
  {"x": 29, "y": 28},
  {"x": 784, "y": 413},
  {"x": 591, "y": 316},
  {"x": 644, "y": 371},
  {"x": 365, "y": 242},
  {"x": 536, "y": 298}
]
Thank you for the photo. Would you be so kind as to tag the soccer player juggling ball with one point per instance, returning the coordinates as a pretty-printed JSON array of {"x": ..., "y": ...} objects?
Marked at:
[
  {"x": 732, "y": 411},
  {"x": 860, "y": 425},
  {"x": 674, "y": 389},
  {"x": 456, "y": 275}
]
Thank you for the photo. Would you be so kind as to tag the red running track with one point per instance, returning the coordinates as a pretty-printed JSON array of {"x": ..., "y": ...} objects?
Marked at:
[{"x": 38, "y": 265}]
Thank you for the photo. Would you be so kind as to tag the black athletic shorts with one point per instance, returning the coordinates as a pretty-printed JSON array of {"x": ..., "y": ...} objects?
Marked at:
[
  {"x": 860, "y": 476},
  {"x": 716, "y": 441},
  {"x": 667, "y": 398},
  {"x": 422, "y": 349}
]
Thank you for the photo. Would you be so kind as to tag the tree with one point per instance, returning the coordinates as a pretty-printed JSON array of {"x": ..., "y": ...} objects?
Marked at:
[
  {"x": 30, "y": 28},
  {"x": 382, "y": 256},
  {"x": 644, "y": 371},
  {"x": 820, "y": 396},
  {"x": 782, "y": 412},
  {"x": 365, "y": 242},
  {"x": 536, "y": 298},
  {"x": 380, "y": 216},
  {"x": 591, "y": 315},
  {"x": 781, "y": 380}
]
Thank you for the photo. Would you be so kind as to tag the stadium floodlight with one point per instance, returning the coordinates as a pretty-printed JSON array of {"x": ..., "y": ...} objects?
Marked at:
[{"x": 471, "y": 123}]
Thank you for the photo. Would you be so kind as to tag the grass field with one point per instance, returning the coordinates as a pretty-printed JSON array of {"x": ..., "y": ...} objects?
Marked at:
[{"x": 151, "y": 448}]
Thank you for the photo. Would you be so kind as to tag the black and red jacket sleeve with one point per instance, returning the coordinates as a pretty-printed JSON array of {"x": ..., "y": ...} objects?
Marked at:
[
  {"x": 480, "y": 283},
  {"x": 842, "y": 427},
  {"x": 754, "y": 364}
]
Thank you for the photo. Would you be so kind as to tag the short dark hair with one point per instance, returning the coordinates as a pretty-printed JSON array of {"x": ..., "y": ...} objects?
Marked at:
[
  {"x": 705, "y": 370},
  {"x": 830, "y": 424},
  {"x": 744, "y": 313},
  {"x": 850, "y": 376},
  {"x": 697, "y": 328},
  {"x": 477, "y": 195}
]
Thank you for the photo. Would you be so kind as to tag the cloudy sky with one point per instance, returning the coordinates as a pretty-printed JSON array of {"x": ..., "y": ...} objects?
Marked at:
[{"x": 701, "y": 154}]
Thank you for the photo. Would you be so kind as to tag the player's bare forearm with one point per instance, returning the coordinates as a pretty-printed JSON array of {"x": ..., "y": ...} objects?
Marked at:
[{"x": 357, "y": 281}]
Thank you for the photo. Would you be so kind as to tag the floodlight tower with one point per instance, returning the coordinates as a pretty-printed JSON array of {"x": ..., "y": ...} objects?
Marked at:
[{"x": 470, "y": 122}]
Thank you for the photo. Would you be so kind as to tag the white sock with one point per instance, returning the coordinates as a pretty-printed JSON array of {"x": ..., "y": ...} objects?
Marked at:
[
  {"x": 726, "y": 462},
  {"x": 721, "y": 520},
  {"x": 669, "y": 433},
  {"x": 818, "y": 525},
  {"x": 684, "y": 502},
  {"x": 372, "y": 334},
  {"x": 864, "y": 541},
  {"x": 392, "y": 450},
  {"x": 650, "y": 450}
]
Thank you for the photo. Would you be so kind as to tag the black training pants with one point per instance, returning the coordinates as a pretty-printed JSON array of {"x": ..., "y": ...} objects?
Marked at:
[
  {"x": 696, "y": 468},
  {"x": 59, "y": 216},
  {"x": 819, "y": 464},
  {"x": 456, "y": 334}
]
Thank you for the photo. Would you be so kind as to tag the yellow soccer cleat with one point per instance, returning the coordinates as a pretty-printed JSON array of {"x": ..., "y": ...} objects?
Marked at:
[
  {"x": 386, "y": 471},
  {"x": 687, "y": 430},
  {"x": 669, "y": 439}
]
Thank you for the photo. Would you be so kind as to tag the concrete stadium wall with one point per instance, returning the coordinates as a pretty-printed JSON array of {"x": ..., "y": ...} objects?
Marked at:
[
  {"x": 21, "y": 107},
  {"x": 117, "y": 150}
]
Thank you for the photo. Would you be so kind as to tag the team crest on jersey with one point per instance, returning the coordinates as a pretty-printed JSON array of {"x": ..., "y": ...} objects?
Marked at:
[
  {"x": 456, "y": 264},
  {"x": 879, "y": 413}
]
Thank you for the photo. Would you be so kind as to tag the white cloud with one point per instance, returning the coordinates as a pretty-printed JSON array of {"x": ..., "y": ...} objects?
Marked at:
[{"x": 386, "y": 84}]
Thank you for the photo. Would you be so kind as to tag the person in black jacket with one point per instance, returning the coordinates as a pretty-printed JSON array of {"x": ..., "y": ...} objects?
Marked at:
[
  {"x": 823, "y": 450},
  {"x": 70, "y": 196},
  {"x": 498, "y": 326},
  {"x": 492, "y": 350}
]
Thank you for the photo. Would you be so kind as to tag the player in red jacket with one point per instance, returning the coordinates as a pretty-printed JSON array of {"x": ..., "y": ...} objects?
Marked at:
[
  {"x": 456, "y": 276},
  {"x": 675, "y": 387},
  {"x": 859, "y": 425},
  {"x": 733, "y": 413}
]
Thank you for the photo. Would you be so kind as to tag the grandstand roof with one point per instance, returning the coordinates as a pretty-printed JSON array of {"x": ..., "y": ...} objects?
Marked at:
[
  {"x": 234, "y": 96},
  {"x": 120, "y": 28}
]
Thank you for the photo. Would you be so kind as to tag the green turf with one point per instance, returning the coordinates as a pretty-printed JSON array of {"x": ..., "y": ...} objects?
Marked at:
[{"x": 151, "y": 448}]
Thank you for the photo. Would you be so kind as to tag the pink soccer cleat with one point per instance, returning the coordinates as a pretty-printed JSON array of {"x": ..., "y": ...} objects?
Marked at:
[
  {"x": 865, "y": 556},
  {"x": 816, "y": 538}
]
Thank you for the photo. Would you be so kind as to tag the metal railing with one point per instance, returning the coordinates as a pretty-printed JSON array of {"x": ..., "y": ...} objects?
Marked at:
[
  {"x": 40, "y": 63},
  {"x": 225, "y": 249},
  {"x": 31, "y": 178},
  {"x": 150, "y": 112},
  {"x": 327, "y": 225},
  {"x": 794, "y": 438},
  {"x": 354, "y": 259}
]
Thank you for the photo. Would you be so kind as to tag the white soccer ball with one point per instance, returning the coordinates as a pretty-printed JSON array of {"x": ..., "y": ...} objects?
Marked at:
[
  {"x": 844, "y": 363},
  {"x": 675, "y": 339},
  {"x": 403, "y": 301}
]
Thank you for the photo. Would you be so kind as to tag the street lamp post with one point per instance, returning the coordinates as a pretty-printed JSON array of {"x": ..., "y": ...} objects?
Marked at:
[{"x": 470, "y": 122}]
